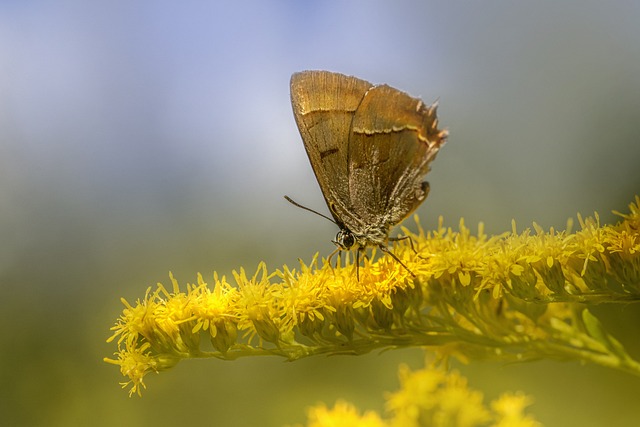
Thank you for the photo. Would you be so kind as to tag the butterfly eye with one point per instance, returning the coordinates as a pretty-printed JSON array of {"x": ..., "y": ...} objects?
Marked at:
[{"x": 345, "y": 239}]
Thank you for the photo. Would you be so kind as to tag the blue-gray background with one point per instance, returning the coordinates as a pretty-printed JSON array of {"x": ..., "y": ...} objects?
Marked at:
[{"x": 142, "y": 137}]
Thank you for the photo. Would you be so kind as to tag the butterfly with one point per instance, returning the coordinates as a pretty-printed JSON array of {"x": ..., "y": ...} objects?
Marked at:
[{"x": 370, "y": 148}]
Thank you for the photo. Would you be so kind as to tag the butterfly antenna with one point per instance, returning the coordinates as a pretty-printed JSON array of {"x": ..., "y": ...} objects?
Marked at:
[{"x": 294, "y": 203}]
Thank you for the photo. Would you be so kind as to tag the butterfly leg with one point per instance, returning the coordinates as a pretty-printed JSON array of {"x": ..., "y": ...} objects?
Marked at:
[
  {"x": 387, "y": 251},
  {"x": 358, "y": 263},
  {"x": 397, "y": 239}
]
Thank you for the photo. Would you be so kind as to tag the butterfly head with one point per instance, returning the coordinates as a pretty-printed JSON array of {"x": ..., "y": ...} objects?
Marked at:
[{"x": 372, "y": 236}]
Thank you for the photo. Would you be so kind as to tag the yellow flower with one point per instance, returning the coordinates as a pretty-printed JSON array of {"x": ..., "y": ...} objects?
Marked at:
[
  {"x": 343, "y": 414},
  {"x": 509, "y": 410},
  {"x": 435, "y": 398},
  {"x": 431, "y": 397},
  {"x": 136, "y": 362},
  {"x": 216, "y": 311}
]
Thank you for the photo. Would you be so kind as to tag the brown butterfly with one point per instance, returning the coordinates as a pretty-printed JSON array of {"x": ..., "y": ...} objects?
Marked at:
[{"x": 370, "y": 148}]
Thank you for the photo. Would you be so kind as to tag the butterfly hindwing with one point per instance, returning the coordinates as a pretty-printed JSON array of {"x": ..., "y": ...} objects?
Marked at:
[{"x": 393, "y": 139}]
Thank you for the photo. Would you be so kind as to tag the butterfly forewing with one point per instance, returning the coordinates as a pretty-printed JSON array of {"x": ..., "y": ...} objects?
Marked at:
[{"x": 323, "y": 106}]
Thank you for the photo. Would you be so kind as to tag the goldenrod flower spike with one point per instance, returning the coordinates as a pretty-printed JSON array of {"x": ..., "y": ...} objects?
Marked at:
[
  {"x": 508, "y": 297},
  {"x": 430, "y": 397}
]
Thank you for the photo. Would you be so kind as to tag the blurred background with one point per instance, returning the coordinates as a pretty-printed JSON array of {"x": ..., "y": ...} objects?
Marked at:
[{"x": 138, "y": 138}]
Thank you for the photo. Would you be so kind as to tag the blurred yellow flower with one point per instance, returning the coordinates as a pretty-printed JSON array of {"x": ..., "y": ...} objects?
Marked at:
[
  {"x": 343, "y": 414},
  {"x": 431, "y": 397}
]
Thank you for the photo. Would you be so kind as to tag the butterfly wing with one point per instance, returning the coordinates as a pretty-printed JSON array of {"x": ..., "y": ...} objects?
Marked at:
[
  {"x": 323, "y": 105},
  {"x": 393, "y": 139}
]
